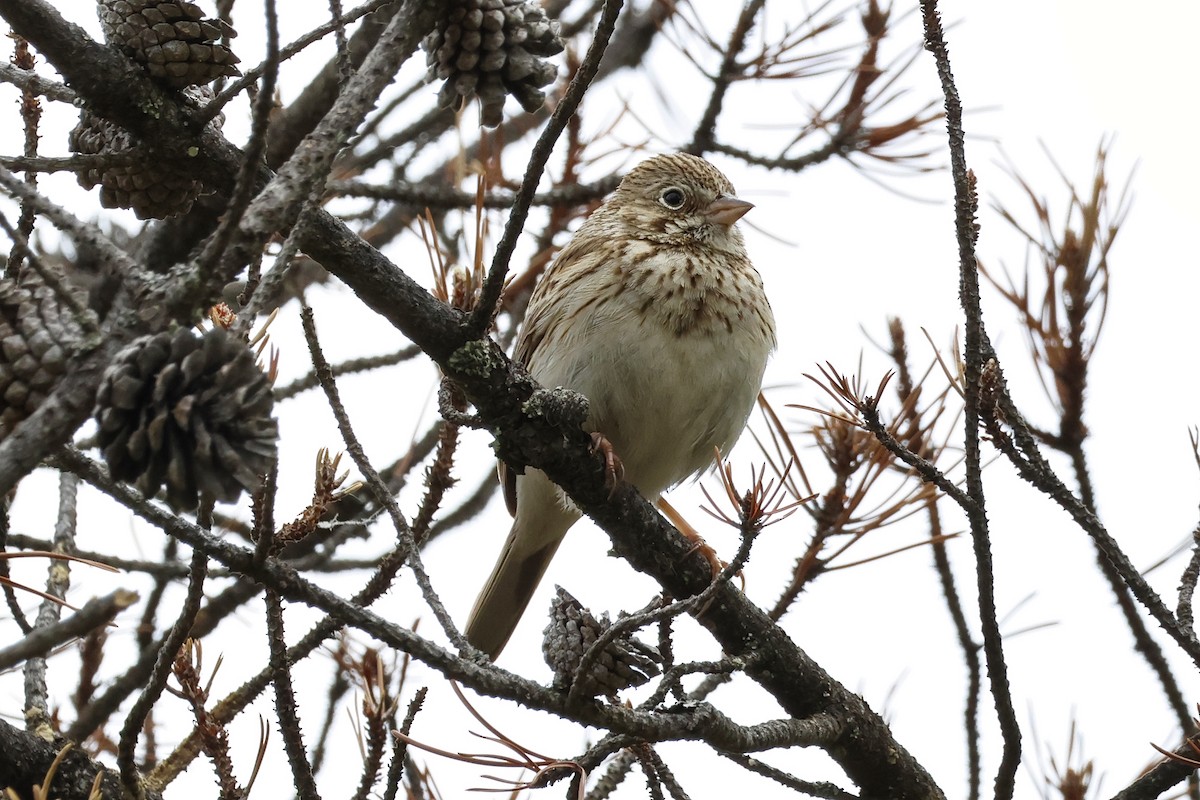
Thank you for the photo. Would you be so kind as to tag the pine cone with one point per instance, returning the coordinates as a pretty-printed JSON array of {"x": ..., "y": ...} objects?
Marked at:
[
  {"x": 174, "y": 41},
  {"x": 190, "y": 411},
  {"x": 153, "y": 186},
  {"x": 489, "y": 49},
  {"x": 36, "y": 336},
  {"x": 625, "y": 662}
]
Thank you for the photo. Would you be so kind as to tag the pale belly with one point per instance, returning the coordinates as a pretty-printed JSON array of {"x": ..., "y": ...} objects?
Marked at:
[{"x": 663, "y": 400}]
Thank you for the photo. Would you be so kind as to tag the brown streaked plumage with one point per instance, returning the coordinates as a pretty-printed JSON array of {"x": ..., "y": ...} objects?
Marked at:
[{"x": 654, "y": 312}]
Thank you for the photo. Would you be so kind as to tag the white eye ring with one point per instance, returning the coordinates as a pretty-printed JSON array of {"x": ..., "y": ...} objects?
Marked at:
[{"x": 672, "y": 197}]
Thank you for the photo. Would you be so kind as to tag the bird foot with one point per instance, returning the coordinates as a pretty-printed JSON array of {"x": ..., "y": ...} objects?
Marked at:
[
  {"x": 715, "y": 564},
  {"x": 614, "y": 470}
]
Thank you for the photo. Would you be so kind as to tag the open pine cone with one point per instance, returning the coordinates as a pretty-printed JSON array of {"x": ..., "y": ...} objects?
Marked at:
[
  {"x": 154, "y": 189},
  {"x": 171, "y": 38},
  {"x": 36, "y": 335},
  {"x": 493, "y": 48},
  {"x": 189, "y": 411},
  {"x": 154, "y": 185},
  {"x": 624, "y": 663}
]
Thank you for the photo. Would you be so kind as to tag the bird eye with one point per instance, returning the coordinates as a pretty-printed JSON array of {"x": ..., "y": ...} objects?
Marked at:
[{"x": 672, "y": 197}]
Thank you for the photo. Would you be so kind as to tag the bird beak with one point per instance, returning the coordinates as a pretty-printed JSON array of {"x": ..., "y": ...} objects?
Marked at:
[{"x": 726, "y": 210}]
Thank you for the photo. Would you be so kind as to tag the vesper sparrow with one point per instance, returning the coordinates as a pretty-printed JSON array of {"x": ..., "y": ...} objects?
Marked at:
[{"x": 655, "y": 314}]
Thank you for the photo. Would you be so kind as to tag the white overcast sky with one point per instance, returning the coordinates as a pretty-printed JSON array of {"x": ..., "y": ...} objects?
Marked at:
[{"x": 1029, "y": 71}]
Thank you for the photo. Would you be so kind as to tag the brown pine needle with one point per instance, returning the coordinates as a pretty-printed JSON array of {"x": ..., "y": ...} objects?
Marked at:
[{"x": 932, "y": 540}]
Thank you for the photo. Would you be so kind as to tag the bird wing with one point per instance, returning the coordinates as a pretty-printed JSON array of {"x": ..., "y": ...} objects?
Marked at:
[
  {"x": 508, "y": 485},
  {"x": 551, "y": 306}
]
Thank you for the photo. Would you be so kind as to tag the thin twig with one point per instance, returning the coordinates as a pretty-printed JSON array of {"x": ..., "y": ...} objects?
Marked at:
[
  {"x": 400, "y": 747},
  {"x": 58, "y": 580},
  {"x": 964, "y": 214},
  {"x": 94, "y": 614},
  {"x": 404, "y": 532},
  {"x": 162, "y": 671},
  {"x": 481, "y": 318},
  {"x": 703, "y": 138}
]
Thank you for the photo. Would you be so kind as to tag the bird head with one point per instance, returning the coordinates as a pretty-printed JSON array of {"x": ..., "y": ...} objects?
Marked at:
[{"x": 681, "y": 200}]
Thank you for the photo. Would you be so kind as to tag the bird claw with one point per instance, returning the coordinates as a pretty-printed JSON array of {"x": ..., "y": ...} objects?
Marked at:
[
  {"x": 716, "y": 564},
  {"x": 614, "y": 470}
]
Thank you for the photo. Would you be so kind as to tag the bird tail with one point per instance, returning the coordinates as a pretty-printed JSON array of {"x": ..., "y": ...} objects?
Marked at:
[
  {"x": 506, "y": 594},
  {"x": 541, "y": 523}
]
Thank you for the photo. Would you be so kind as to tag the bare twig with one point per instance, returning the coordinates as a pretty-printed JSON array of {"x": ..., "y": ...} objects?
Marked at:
[
  {"x": 481, "y": 318},
  {"x": 94, "y": 614},
  {"x": 965, "y": 206}
]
